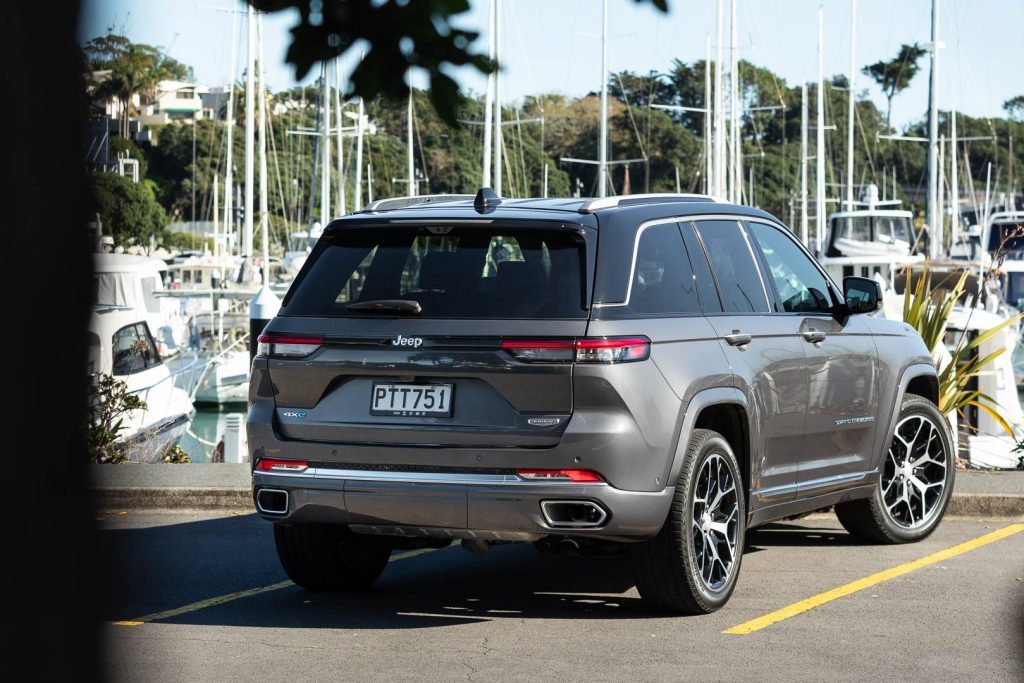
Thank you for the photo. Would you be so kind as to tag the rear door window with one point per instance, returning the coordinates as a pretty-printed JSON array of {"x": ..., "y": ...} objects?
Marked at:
[
  {"x": 663, "y": 281},
  {"x": 739, "y": 281},
  {"x": 451, "y": 271}
]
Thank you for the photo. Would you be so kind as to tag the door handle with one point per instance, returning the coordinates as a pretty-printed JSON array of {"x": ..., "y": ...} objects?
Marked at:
[
  {"x": 813, "y": 336},
  {"x": 737, "y": 338}
]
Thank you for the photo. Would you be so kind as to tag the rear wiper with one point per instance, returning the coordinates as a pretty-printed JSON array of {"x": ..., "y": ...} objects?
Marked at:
[{"x": 387, "y": 306}]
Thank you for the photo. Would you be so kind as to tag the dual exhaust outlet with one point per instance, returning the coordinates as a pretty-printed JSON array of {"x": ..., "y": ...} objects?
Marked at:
[{"x": 558, "y": 514}]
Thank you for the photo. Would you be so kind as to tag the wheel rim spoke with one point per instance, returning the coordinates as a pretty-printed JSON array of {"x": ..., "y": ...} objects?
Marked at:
[
  {"x": 714, "y": 520},
  {"x": 914, "y": 473}
]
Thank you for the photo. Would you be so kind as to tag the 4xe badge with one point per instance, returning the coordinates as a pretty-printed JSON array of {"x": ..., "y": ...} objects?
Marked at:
[
  {"x": 292, "y": 413},
  {"x": 415, "y": 342}
]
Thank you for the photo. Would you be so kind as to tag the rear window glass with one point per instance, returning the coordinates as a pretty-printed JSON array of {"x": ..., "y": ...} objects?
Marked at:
[{"x": 450, "y": 271}]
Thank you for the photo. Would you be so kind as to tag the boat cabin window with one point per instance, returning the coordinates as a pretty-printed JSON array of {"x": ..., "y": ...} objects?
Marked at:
[
  {"x": 852, "y": 228},
  {"x": 1009, "y": 236},
  {"x": 186, "y": 277},
  {"x": 199, "y": 277},
  {"x": 890, "y": 229},
  {"x": 134, "y": 350}
]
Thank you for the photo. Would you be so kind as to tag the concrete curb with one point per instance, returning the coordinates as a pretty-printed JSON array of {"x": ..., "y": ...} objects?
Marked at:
[
  {"x": 227, "y": 499},
  {"x": 234, "y": 499}
]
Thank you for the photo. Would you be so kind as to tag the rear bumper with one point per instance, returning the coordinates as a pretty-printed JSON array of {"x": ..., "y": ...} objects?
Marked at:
[{"x": 488, "y": 507}]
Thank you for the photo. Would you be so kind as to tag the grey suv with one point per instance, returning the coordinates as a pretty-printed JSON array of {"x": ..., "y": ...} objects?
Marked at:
[{"x": 650, "y": 373}]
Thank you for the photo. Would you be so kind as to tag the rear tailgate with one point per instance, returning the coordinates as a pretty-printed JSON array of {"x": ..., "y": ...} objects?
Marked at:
[{"x": 442, "y": 376}]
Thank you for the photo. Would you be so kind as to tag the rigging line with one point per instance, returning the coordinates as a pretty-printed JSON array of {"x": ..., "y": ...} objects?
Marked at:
[
  {"x": 419, "y": 141},
  {"x": 277, "y": 166},
  {"x": 867, "y": 149},
  {"x": 632, "y": 120},
  {"x": 522, "y": 155}
]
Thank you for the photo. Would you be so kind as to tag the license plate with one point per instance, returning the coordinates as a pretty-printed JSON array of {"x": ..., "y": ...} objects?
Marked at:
[{"x": 412, "y": 400}]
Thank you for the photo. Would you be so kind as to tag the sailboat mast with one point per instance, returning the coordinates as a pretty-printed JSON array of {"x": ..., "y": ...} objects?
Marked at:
[
  {"x": 358, "y": 204},
  {"x": 719, "y": 112},
  {"x": 497, "y": 99},
  {"x": 803, "y": 160},
  {"x": 933, "y": 219},
  {"x": 325, "y": 148},
  {"x": 338, "y": 116},
  {"x": 264, "y": 214},
  {"x": 250, "y": 131},
  {"x": 602, "y": 146},
  {"x": 819, "y": 151},
  {"x": 708, "y": 159},
  {"x": 850, "y": 111},
  {"x": 409, "y": 150},
  {"x": 735, "y": 172},
  {"x": 229, "y": 134},
  {"x": 489, "y": 98}
]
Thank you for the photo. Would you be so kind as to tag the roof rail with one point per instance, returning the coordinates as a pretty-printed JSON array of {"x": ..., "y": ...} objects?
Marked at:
[
  {"x": 395, "y": 203},
  {"x": 653, "y": 198}
]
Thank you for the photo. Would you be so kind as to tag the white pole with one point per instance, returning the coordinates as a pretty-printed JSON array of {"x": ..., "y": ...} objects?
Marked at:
[
  {"x": 369, "y": 182},
  {"x": 250, "y": 133},
  {"x": 940, "y": 204},
  {"x": 933, "y": 135},
  {"x": 408, "y": 144},
  {"x": 489, "y": 98},
  {"x": 216, "y": 216},
  {"x": 602, "y": 146},
  {"x": 819, "y": 151},
  {"x": 229, "y": 133},
  {"x": 359, "y": 158},
  {"x": 325, "y": 148},
  {"x": 851, "y": 112},
  {"x": 341, "y": 148},
  {"x": 264, "y": 214},
  {"x": 497, "y": 137},
  {"x": 708, "y": 160},
  {"x": 719, "y": 178},
  {"x": 803, "y": 161},
  {"x": 954, "y": 181},
  {"x": 735, "y": 174},
  {"x": 545, "y": 181}
]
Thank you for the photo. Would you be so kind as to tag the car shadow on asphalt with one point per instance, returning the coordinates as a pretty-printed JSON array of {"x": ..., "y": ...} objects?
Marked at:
[{"x": 166, "y": 567}]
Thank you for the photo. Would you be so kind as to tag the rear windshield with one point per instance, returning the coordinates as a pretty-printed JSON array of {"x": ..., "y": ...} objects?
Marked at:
[{"x": 450, "y": 271}]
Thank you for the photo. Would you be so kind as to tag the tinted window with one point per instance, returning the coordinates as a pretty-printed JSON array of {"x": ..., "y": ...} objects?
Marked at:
[
  {"x": 451, "y": 271},
  {"x": 133, "y": 350},
  {"x": 662, "y": 281},
  {"x": 706, "y": 290},
  {"x": 737, "y": 276},
  {"x": 801, "y": 286}
]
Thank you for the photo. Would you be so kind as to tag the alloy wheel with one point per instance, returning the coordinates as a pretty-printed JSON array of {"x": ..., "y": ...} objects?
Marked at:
[
  {"x": 715, "y": 521},
  {"x": 914, "y": 475}
]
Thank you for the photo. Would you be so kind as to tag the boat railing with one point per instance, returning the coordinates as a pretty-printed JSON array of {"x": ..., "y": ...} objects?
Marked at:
[{"x": 209, "y": 363}]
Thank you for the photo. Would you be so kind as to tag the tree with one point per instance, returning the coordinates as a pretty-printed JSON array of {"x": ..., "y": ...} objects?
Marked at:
[
  {"x": 128, "y": 210},
  {"x": 1015, "y": 107},
  {"x": 400, "y": 35},
  {"x": 135, "y": 69},
  {"x": 894, "y": 77}
]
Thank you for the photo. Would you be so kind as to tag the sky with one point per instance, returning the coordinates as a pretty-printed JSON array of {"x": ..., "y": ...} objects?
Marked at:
[{"x": 554, "y": 45}]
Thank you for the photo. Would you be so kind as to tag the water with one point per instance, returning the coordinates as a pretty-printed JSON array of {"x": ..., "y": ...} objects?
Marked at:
[{"x": 208, "y": 425}]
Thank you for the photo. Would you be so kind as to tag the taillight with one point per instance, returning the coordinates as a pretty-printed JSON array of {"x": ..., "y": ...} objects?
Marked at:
[
  {"x": 271, "y": 465},
  {"x": 287, "y": 346},
  {"x": 582, "y": 476},
  {"x": 612, "y": 349},
  {"x": 585, "y": 350}
]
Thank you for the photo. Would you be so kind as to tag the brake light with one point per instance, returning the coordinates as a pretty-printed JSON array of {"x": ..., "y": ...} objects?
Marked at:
[
  {"x": 287, "y": 346},
  {"x": 612, "y": 349},
  {"x": 270, "y": 465},
  {"x": 585, "y": 350},
  {"x": 582, "y": 476}
]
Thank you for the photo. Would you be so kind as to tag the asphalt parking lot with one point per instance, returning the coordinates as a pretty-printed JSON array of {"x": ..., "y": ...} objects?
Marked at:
[{"x": 203, "y": 597}]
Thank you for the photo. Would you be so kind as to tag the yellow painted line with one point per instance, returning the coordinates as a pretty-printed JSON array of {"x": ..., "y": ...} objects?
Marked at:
[
  {"x": 230, "y": 597},
  {"x": 868, "y": 581}
]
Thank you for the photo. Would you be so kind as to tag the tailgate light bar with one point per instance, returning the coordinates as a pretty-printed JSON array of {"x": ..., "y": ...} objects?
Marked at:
[
  {"x": 581, "y": 476},
  {"x": 273, "y": 465},
  {"x": 583, "y": 350},
  {"x": 287, "y": 346}
]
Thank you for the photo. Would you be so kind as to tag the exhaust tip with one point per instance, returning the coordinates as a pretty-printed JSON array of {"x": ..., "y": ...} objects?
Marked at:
[
  {"x": 573, "y": 514},
  {"x": 272, "y": 501}
]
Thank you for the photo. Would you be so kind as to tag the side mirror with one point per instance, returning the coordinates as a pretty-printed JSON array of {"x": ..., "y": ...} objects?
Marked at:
[{"x": 862, "y": 294}]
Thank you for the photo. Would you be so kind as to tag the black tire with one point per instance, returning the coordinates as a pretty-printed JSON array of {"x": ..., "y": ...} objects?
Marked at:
[
  {"x": 325, "y": 557},
  {"x": 870, "y": 519},
  {"x": 668, "y": 568}
]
